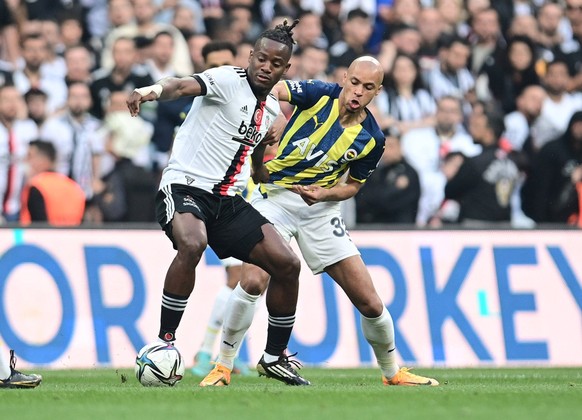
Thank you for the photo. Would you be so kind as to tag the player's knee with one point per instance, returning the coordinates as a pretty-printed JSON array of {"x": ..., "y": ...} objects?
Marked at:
[
  {"x": 191, "y": 249},
  {"x": 370, "y": 307},
  {"x": 290, "y": 266}
]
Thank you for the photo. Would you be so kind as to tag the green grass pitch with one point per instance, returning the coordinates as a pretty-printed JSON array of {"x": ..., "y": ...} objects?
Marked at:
[{"x": 491, "y": 394}]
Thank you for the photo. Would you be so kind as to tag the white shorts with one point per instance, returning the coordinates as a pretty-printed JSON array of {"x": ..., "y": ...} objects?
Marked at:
[
  {"x": 319, "y": 229},
  {"x": 230, "y": 262}
]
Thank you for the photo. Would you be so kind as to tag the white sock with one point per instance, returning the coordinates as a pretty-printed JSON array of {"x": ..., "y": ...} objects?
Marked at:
[
  {"x": 380, "y": 334},
  {"x": 4, "y": 364},
  {"x": 238, "y": 317},
  {"x": 216, "y": 318}
]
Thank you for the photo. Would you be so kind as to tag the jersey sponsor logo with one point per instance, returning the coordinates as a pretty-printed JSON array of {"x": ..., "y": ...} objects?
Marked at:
[
  {"x": 350, "y": 154},
  {"x": 296, "y": 86},
  {"x": 244, "y": 109},
  {"x": 307, "y": 150},
  {"x": 209, "y": 77},
  {"x": 250, "y": 133}
]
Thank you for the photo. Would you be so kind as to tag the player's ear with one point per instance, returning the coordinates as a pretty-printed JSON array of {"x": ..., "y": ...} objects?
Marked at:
[
  {"x": 250, "y": 55},
  {"x": 287, "y": 68},
  {"x": 378, "y": 91}
]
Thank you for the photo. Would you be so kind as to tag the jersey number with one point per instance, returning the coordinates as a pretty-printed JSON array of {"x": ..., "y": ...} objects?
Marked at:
[{"x": 339, "y": 226}]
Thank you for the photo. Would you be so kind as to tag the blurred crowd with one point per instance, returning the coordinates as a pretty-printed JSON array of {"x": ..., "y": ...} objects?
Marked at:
[{"x": 481, "y": 104}]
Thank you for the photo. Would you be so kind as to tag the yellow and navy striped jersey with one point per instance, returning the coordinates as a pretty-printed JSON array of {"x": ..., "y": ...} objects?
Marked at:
[{"x": 315, "y": 149}]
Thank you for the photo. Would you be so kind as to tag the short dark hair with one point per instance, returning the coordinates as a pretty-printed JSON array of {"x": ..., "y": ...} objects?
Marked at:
[
  {"x": 45, "y": 148},
  {"x": 282, "y": 33},
  {"x": 447, "y": 40},
  {"x": 34, "y": 92},
  {"x": 214, "y": 46},
  {"x": 495, "y": 122}
]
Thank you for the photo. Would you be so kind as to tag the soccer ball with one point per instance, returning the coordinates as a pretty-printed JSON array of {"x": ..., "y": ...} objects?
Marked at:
[{"x": 159, "y": 364}]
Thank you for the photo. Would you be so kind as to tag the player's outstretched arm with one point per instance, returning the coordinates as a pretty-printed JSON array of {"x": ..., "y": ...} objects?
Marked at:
[{"x": 166, "y": 89}]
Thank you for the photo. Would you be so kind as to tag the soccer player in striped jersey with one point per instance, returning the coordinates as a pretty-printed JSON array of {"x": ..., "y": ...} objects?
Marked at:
[
  {"x": 329, "y": 148},
  {"x": 199, "y": 202}
]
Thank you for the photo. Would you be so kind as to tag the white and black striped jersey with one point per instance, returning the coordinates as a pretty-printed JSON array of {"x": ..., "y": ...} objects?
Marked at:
[{"x": 213, "y": 145}]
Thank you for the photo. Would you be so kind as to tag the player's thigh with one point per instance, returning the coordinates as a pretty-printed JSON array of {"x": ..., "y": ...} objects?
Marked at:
[
  {"x": 324, "y": 241},
  {"x": 274, "y": 255},
  {"x": 276, "y": 211}
]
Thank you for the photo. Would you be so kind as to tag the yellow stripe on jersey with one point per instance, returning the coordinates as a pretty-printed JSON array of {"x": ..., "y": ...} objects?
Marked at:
[{"x": 296, "y": 156}]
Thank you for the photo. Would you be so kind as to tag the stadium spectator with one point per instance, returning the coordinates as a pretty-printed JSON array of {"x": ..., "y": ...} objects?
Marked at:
[
  {"x": 392, "y": 192},
  {"x": 80, "y": 62},
  {"x": 356, "y": 31},
  {"x": 12, "y": 378},
  {"x": 202, "y": 167},
  {"x": 313, "y": 62},
  {"x": 404, "y": 104},
  {"x": 32, "y": 75},
  {"x": 451, "y": 76},
  {"x": 484, "y": 184},
  {"x": 54, "y": 64},
  {"x": 195, "y": 44},
  {"x": 425, "y": 149},
  {"x": 309, "y": 32},
  {"x": 159, "y": 64},
  {"x": 548, "y": 35},
  {"x": 77, "y": 139},
  {"x": 518, "y": 124},
  {"x": 9, "y": 49},
  {"x": 123, "y": 76},
  {"x": 431, "y": 26},
  {"x": 331, "y": 22},
  {"x": 35, "y": 100},
  {"x": 510, "y": 71},
  {"x": 486, "y": 39},
  {"x": 571, "y": 53},
  {"x": 301, "y": 198},
  {"x": 404, "y": 39},
  {"x": 49, "y": 196},
  {"x": 559, "y": 105},
  {"x": 550, "y": 194},
  {"x": 454, "y": 16},
  {"x": 144, "y": 25},
  {"x": 127, "y": 192},
  {"x": 15, "y": 134}
]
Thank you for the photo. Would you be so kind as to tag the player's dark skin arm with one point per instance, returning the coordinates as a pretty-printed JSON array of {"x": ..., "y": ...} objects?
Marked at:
[
  {"x": 173, "y": 88},
  {"x": 259, "y": 171}
]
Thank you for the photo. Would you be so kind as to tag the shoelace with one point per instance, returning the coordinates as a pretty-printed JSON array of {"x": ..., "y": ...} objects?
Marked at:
[
  {"x": 12, "y": 361},
  {"x": 290, "y": 363}
]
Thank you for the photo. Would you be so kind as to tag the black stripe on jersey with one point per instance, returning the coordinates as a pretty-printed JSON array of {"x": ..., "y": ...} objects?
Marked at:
[
  {"x": 241, "y": 72},
  {"x": 235, "y": 164},
  {"x": 202, "y": 84},
  {"x": 231, "y": 172}
]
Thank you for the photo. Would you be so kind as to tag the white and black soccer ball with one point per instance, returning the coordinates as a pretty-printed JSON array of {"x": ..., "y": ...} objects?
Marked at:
[{"x": 159, "y": 364}]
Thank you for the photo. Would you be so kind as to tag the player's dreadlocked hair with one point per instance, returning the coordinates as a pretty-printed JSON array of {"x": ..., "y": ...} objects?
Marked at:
[{"x": 281, "y": 33}]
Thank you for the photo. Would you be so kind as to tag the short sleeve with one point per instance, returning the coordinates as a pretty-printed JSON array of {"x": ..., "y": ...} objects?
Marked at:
[
  {"x": 361, "y": 169},
  {"x": 221, "y": 83},
  {"x": 305, "y": 93}
]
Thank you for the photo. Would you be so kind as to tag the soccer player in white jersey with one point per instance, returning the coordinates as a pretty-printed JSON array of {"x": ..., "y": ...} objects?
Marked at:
[
  {"x": 330, "y": 134},
  {"x": 198, "y": 203},
  {"x": 216, "y": 54}
]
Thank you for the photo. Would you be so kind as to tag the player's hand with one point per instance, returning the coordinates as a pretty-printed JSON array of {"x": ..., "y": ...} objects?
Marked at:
[
  {"x": 260, "y": 175},
  {"x": 135, "y": 99},
  {"x": 311, "y": 194},
  {"x": 275, "y": 132}
]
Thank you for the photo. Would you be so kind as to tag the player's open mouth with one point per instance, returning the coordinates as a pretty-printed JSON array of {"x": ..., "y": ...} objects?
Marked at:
[
  {"x": 263, "y": 78},
  {"x": 354, "y": 104}
]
